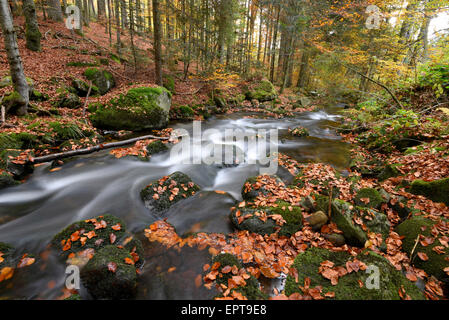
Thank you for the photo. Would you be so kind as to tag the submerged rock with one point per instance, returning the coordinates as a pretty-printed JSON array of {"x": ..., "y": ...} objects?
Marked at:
[
  {"x": 156, "y": 147},
  {"x": 110, "y": 274},
  {"x": 143, "y": 108},
  {"x": 355, "y": 285},
  {"x": 419, "y": 226},
  {"x": 437, "y": 190},
  {"x": 266, "y": 220},
  {"x": 251, "y": 288},
  {"x": 162, "y": 194}
]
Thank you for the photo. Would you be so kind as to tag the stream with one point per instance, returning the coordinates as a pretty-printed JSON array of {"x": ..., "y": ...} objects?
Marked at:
[{"x": 32, "y": 213}]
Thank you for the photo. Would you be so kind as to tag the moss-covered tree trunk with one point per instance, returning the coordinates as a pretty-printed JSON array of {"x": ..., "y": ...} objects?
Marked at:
[
  {"x": 32, "y": 33},
  {"x": 18, "y": 101}
]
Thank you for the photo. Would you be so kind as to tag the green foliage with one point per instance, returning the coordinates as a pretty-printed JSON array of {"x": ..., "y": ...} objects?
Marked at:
[{"x": 435, "y": 76}]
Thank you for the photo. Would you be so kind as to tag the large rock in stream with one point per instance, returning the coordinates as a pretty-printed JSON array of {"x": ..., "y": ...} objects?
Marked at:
[
  {"x": 162, "y": 194},
  {"x": 267, "y": 220},
  {"x": 106, "y": 253},
  {"x": 358, "y": 284},
  {"x": 140, "y": 109}
]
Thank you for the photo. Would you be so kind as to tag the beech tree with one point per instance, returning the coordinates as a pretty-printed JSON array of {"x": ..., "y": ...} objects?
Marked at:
[{"x": 17, "y": 102}]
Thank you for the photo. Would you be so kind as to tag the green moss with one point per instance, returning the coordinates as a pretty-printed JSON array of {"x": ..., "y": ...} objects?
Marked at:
[
  {"x": 156, "y": 147},
  {"x": 102, "y": 79},
  {"x": 262, "y": 91},
  {"x": 308, "y": 263},
  {"x": 74, "y": 297},
  {"x": 186, "y": 112},
  {"x": 169, "y": 83},
  {"x": 293, "y": 219},
  {"x": 105, "y": 284},
  {"x": 138, "y": 110},
  {"x": 388, "y": 172},
  {"x": 7, "y": 180},
  {"x": 375, "y": 199},
  {"x": 299, "y": 132},
  {"x": 437, "y": 190},
  {"x": 410, "y": 230},
  {"x": 81, "y": 64},
  {"x": 66, "y": 131},
  {"x": 169, "y": 196},
  {"x": 252, "y": 288},
  {"x": 102, "y": 234}
]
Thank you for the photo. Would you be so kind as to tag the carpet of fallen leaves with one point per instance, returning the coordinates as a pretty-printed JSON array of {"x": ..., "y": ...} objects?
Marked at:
[{"x": 271, "y": 255}]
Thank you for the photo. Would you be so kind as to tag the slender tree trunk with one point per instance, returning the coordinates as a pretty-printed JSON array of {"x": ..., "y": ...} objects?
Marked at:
[
  {"x": 32, "y": 34},
  {"x": 101, "y": 9},
  {"x": 18, "y": 78},
  {"x": 274, "y": 44},
  {"x": 157, "y": 42},
  {"x": 117, "y": 26},
  {"x": 54, "y": 10}
]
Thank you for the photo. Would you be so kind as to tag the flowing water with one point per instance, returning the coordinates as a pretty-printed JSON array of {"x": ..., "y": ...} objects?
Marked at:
[{"x": 32, "y": 213}]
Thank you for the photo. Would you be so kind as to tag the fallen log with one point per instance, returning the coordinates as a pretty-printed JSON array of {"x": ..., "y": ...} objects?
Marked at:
[{"x": 100, "y": 147}]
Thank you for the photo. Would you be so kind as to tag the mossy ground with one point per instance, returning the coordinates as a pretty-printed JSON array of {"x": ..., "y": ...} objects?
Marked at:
[
  {"x": 437, "y": 190},
  {"x": 375, "y": 199},
  {"x": 410, "y": 230},
  {"x": 348, "y": 288}
]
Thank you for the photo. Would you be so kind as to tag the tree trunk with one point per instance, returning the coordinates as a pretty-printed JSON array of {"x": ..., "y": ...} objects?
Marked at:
[
  {"x": 157, "y": 42},
  {"x": 101, "y": 9},
  {"x": 54, "y": 10},
  {"x": 32, "y": 34},
  {"x": 18, "y": 78},
  {"x": 274, "y": 44}
]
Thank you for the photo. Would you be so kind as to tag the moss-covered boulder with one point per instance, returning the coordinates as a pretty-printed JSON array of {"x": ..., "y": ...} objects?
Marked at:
[
  {"x": 369, "y": 197},
  {"x": 38, "y": 96},
  {"x": 255, "y": 186},
  {"x": 251, "y": 288},
  {"x": 357, "y": 222},
  {"x": 67, "y": 99},
  {"x": 267, "y": 220},
  {"x": 7, "y": 180},
  {"x": 156, "y": 147},
  {"x": 18, "y": 168},
  {"x": 7, "y": 81},
  {"x": 355, "y": 285},
  {"x": 95, "y": 234},
  {"x": 140, "y": 109},
  {"x": 162, "y": 194},
  {"x": 388, "y": 172},
  {"x": 429, "y": 232},
  {"x": 82, "y": 88},
  {"x": 261, "y": 91},
  {"x": 437, "y": 190},
  {"x": 102, "y": 79},
  {"x": 110, "y": 275}
]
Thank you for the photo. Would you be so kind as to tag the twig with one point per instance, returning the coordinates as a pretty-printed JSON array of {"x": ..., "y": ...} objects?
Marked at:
[
  {"x": 414, "y": 247},
  {"x": 87, "y": 99}
]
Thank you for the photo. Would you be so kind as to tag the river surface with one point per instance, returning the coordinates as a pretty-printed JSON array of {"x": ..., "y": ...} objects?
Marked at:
[{"x": 32, "y": 213}]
